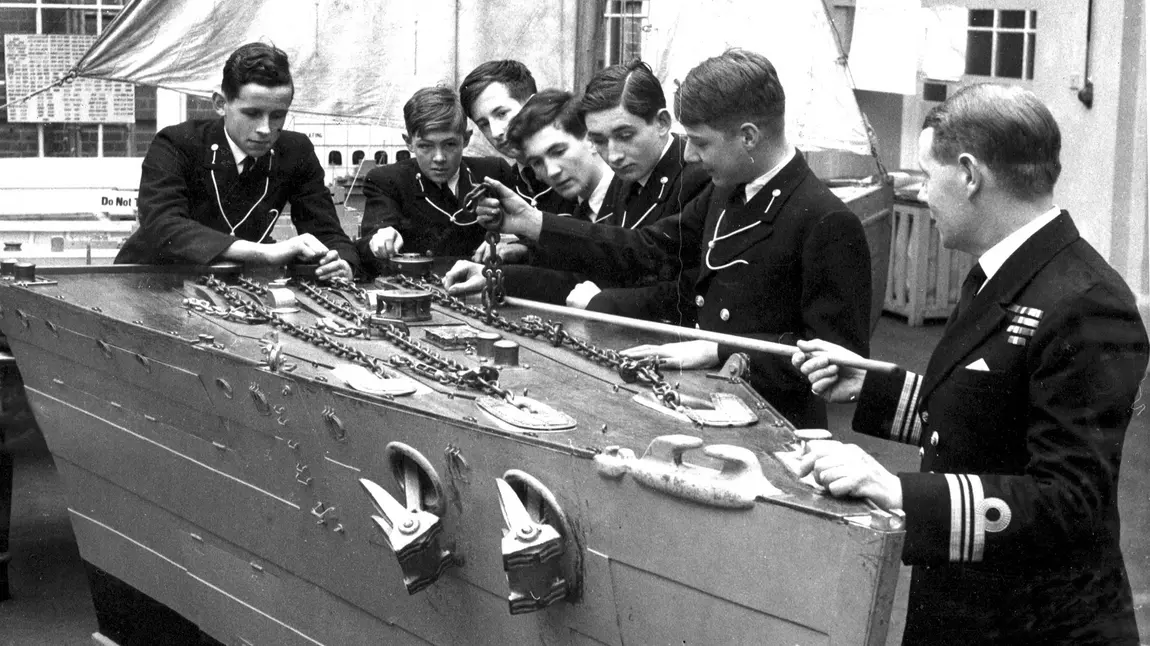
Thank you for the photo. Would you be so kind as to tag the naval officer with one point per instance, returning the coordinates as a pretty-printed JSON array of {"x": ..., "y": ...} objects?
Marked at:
[{"x": 1012, "y": 522}]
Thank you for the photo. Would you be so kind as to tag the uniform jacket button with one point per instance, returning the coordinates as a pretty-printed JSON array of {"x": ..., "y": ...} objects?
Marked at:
[
  {"x": 934, "y": 438},
  {"x": 725, "y": 314},
  {"x": 924, "y": 416},
  {"x": 699, "y": 300}
]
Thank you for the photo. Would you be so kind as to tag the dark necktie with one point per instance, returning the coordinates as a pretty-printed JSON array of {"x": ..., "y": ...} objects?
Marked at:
[
  {"x": 974, "y": 280},
  {"x": 582, "y": 211},
  {"x": 739, "y": 195},
  {"x": 246, "y": 165}
]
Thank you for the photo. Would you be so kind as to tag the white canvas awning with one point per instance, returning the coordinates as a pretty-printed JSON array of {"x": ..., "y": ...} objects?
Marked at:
[{"x": 363, "y": 58}]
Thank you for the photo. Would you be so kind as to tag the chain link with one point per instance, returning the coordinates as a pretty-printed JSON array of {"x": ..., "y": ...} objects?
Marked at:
[
  {"x": 631, "y": 370},
  {"x": 423, "y": 361}
]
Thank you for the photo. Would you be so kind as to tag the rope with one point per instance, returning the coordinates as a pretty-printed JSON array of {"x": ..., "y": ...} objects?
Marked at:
[{"x": 68, "y": 77}]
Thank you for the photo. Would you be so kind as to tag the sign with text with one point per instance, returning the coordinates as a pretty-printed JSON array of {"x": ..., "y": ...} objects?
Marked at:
[{"x": 32, "y": 62}]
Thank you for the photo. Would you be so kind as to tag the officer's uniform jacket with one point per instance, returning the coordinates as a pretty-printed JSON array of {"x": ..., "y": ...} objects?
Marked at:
[
  {"x": 792, "y": 263},
  {"x": 181, "y": 220},
  {"x": 397, "y": 195},
  {"x": 1012, "y": 524}
]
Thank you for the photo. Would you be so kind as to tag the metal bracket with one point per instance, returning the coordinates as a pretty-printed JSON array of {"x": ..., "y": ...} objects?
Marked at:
[{"x": 737, "y": 484}]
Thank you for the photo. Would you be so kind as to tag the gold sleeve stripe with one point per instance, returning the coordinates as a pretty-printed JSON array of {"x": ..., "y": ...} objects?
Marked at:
[
  {"x": 967, "y": 518},
  {"x": 906, "y": 426}
]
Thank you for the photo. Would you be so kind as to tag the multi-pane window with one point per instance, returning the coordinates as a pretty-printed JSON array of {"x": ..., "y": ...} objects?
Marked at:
[
  {"x": 625, "y": 22},
  {"x": 1000, "y": 43},
  {"x": 58, "y": 139}
]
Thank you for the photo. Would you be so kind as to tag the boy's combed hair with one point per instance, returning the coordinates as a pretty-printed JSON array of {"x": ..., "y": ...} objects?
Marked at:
[
  {"x": 511, "y": 74},
  {"x": 433, "y": 109},
  {"x": 258, "y": 63},
  {"x": 549, "y": 107},
  {"x": 1006, "y": 127},
  {"x": 631, "y": 85},
  {"x": 736, "y": 87}
]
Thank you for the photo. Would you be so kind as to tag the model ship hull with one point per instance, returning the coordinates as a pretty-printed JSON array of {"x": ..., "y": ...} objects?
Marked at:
[{"x": 231, "y": 491}]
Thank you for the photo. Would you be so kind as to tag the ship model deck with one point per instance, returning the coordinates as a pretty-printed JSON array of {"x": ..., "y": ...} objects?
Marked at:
[{"x": 288, "y": 463}]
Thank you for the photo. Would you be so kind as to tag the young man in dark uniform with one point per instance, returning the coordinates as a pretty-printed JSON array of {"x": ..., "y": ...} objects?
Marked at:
[
  {"x": 551, "y": 137},
  {"x": 1012, "y": 520},
  {"x": 492, "y": 94},
  {"x": 417, "y": 204},
  {"x": 779, "y": 257},
  {"x": 213, "y": 190},
  {"x": 628, "y": 123}
]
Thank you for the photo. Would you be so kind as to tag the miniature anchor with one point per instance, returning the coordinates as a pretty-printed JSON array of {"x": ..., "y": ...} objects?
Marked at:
[
  {"x": 411, "y": 532},
  {"x": 531, "y": 556}
]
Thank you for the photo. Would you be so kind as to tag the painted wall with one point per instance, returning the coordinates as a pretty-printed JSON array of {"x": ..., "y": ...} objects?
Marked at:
[{"x": 1099, "y": 143}]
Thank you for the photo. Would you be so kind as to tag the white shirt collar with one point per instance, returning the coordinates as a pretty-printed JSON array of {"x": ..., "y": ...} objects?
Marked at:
[
  {"x": 753, "y": 188},
  {"x": 595, "y": 202},
  {"x": 453, "y": 183},
  {"x": 997, "y": 255},
  {"x": 643, "y": 180},
  {"x": 237, "y": 152}
]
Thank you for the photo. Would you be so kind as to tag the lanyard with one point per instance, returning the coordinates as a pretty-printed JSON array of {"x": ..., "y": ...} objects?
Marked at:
[
  {"x": 533, "y": 200},
  {"x": 267, "y": 179},
  {"x": 715, "y": 237},
  {"x": 450, "y": 216},
  {"x": 658, "y": 201}
]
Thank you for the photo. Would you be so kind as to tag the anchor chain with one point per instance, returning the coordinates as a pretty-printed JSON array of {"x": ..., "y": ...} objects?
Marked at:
[
  {"x": 424, "y": 361},
  {"x": 631, "y": 370}
]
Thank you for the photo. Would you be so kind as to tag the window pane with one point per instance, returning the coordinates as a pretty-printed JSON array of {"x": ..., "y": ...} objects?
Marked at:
[
  {"x": 70, "y": 139},
  {"x": 18, "y": 21},
  {"x": 978, "y": 44},
  {"x": 1012, "y": 19},
  {"x": 1009, "y": 62},
  {"x": 982, "y": 18},
  {"x": 69, "y": 21},
  {"x": 1030, "y": 38},
  {"x": 1033, "y": 19},
  {"x": 117, "y": 140}
]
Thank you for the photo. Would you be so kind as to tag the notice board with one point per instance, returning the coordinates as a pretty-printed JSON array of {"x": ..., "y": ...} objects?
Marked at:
[{"x": 34, "y": 61}]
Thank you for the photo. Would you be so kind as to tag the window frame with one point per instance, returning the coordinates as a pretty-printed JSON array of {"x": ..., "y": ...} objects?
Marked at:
[
  {"x": 100, "y": 8},
  {"x": 1029, "y": 32}
]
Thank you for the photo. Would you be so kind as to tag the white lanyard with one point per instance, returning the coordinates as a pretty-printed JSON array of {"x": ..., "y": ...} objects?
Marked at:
[
  {"x": 450, "y": 216},
  {"x": 658, "y": 198},
  {"x": 267, "y": 182},
  {"x": 715, "y": 237},
  {"x": 533, "y": 200}
]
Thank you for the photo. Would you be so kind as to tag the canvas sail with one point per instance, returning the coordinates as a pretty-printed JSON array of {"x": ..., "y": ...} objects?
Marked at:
[{"x": 362, "y": 59}]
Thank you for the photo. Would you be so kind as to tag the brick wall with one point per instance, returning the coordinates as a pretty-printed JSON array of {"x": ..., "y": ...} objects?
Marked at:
[
  {"x": 200, "y": 108},
  {"x": 18, "y": 140}
]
